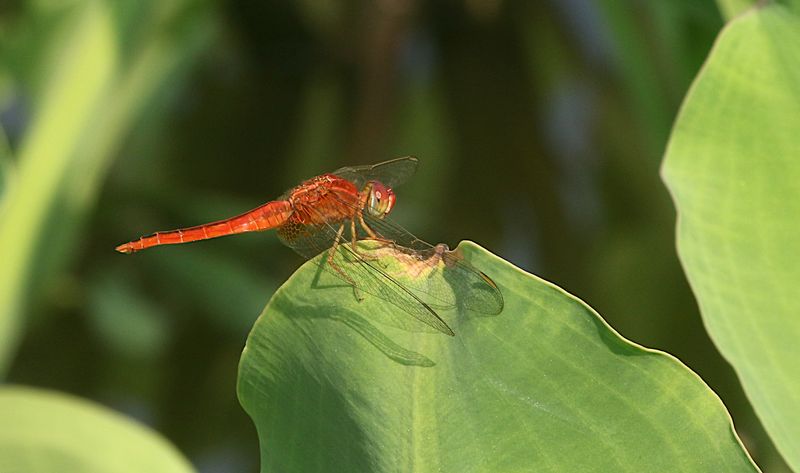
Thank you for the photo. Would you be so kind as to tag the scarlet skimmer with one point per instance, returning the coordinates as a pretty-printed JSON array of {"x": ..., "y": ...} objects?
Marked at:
[{"x": 332, "y": 213}]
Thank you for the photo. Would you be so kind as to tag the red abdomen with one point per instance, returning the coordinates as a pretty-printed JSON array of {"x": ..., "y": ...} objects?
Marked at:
[
  {"x": 324, "y": 199},
  {"x": 270, "y": 215}
]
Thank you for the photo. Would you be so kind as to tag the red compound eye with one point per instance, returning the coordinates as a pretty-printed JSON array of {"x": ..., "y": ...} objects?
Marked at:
[{"x": 381, "y": 199}]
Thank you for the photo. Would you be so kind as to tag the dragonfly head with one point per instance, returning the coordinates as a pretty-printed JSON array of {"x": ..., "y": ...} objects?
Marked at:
[{"x": 381, "y": 199}]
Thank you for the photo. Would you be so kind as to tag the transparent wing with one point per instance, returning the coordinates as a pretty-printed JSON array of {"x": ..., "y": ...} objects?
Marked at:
[
  {"x": 435, "y": 274},
  {"x": 366, "y": 275},
  {"x": 462, "y": 284},
  {"x": 467, "y": 286},
  {"x": 390, "y": 173}
]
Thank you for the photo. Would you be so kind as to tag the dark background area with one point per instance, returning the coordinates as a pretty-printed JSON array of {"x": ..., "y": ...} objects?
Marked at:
[{"x": 539, "y": 126}]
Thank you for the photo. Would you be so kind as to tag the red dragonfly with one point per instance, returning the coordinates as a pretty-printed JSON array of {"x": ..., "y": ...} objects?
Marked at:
[{"x": 334, "y": 212}]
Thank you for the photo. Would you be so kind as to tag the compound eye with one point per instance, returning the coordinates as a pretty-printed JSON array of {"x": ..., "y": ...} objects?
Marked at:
[
  {"x": 374, "y": 202},
  {"x": 381, "y": 199}
]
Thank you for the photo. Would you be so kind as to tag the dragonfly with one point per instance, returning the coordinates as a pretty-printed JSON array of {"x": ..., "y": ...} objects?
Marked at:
[{"x": 344, "y": 213}]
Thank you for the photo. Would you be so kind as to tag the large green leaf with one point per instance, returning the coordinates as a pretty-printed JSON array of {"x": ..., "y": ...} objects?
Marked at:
[
  {"x": 733, "y": 167},
  {"x": 731, "y": 8},
  {"x": 333, "y": 385},
  {"x": 44, "y": 432}
]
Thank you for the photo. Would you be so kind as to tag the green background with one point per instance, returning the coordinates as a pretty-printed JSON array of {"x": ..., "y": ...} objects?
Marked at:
[{"x": 539, "y": 126}]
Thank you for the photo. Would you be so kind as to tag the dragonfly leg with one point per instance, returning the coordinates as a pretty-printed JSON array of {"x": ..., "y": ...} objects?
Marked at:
[
  {"x": 331, "y": 253},
  {"x": 370, "y": 231},
  {"x": 354, "y": 241},
  {"x": 376, "y": 238}
]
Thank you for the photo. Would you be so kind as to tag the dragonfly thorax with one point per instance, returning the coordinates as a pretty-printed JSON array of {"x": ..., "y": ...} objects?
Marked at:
[{"x": 380, "y": 199}]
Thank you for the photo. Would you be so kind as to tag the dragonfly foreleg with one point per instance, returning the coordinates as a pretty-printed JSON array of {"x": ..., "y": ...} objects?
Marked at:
[
  {"x": 330, "y": 261},
  {"x": 354, "y": 240},
  {"x": 372, "y": 234}
]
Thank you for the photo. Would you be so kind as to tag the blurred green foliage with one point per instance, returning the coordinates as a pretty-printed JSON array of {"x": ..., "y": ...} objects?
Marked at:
[
  {"x": 539, "y": 125},
  {"x": 58, "y": 432}
]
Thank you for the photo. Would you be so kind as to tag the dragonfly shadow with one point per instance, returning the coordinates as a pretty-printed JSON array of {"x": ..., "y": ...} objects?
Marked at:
[
  {"x": 357, "y": 323},
  {"x": 317, "y": 282},
  {"x": 388, "y": 317}
]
